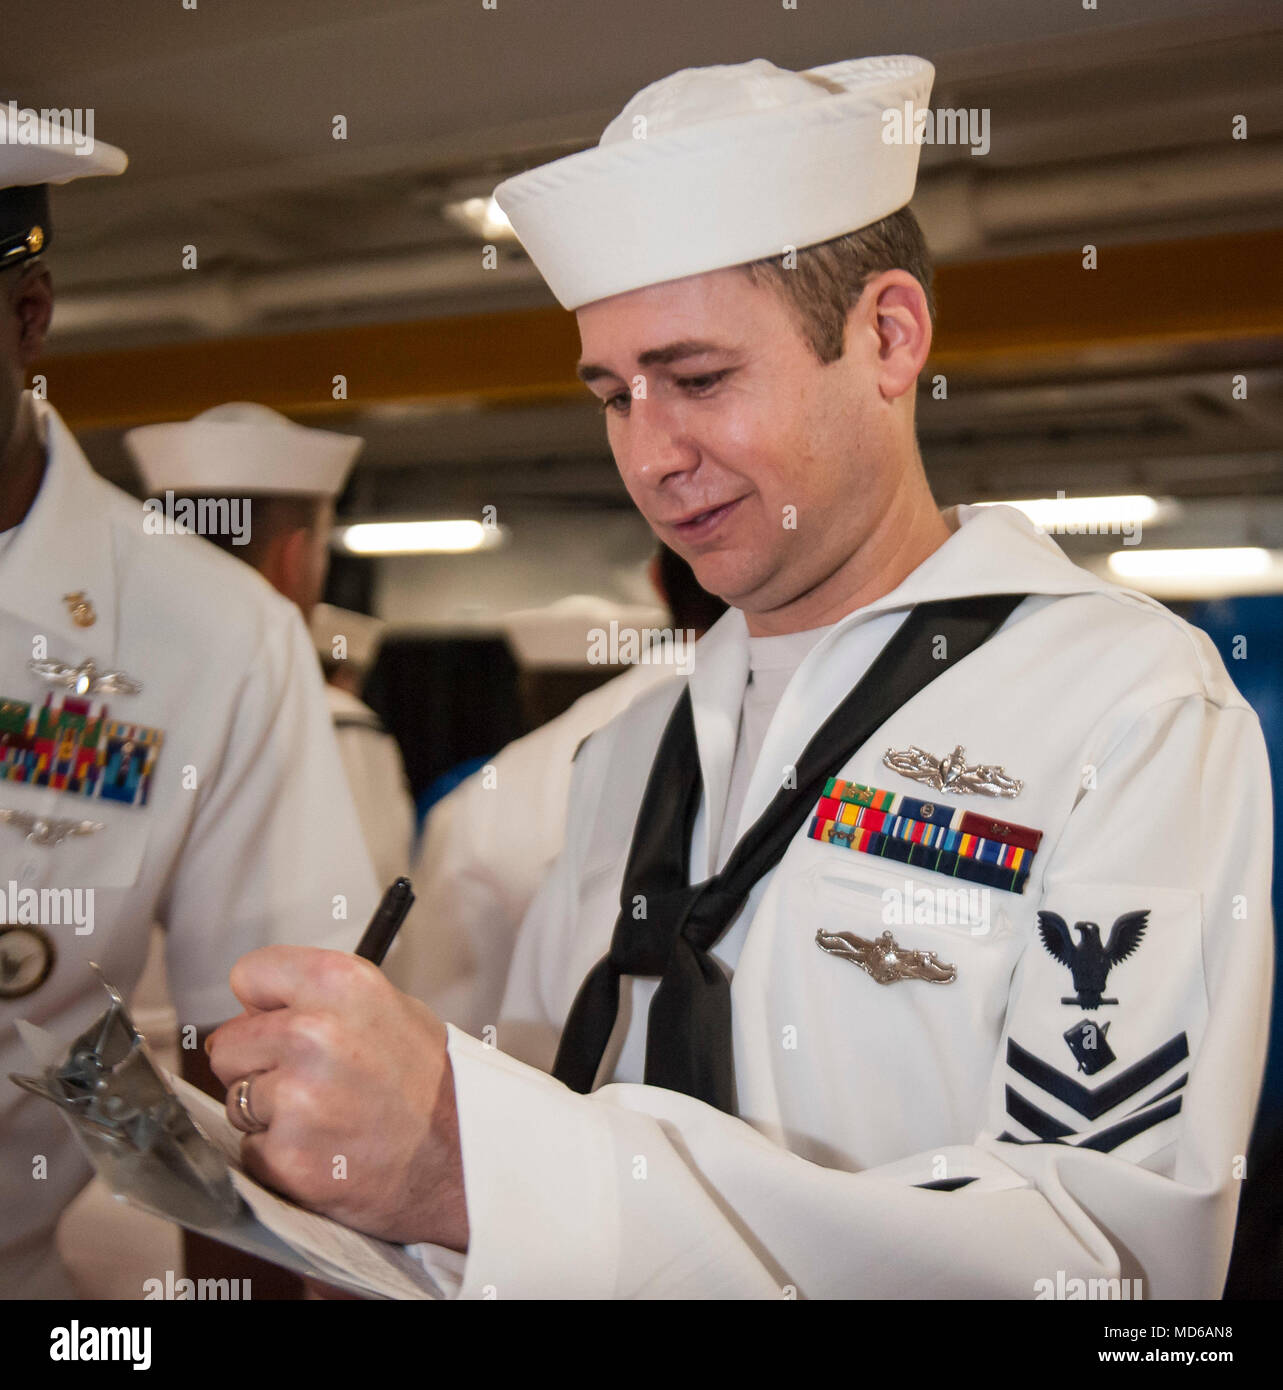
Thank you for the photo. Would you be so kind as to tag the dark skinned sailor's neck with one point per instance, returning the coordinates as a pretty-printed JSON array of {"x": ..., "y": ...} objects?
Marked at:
[{"x": 22, "y": 467}]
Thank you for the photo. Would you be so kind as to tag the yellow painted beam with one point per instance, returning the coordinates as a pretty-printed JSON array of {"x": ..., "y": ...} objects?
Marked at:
[
  {"x": 498, "y": 357},
  {"x": 1213, "y": 289}
]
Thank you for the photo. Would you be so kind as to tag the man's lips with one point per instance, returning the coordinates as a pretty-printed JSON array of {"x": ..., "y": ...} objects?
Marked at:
[{"x": 697, "y": 524}]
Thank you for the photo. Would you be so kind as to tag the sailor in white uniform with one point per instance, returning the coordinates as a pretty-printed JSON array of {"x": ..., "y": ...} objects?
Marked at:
[
  {"x": 291, "y": 475},
  {"x": 919, "y": 945},
  {"x": 273, "y": 480},
  {"x": 165, "y": 752},
  {"x": 347, "y": 643}
]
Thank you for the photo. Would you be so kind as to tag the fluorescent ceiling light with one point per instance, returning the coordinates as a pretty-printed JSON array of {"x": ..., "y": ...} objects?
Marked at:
[
  {"x": 483, "y": 216},
  {"x": 419, "y": 537},
  {"x": 1228, "y": 563},
  {"x": 1083, "y": 515}
]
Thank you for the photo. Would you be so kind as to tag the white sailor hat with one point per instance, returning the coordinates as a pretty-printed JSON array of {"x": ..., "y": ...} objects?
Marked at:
[
  {"x": 242, "y": 448},
  {"x": 360, "y": 632},
  {"x": 717, "y": 166},
  {"x": 35, "y": 151}
]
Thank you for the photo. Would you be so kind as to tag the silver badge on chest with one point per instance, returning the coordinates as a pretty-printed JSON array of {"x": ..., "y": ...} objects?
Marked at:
[
  {"x": 47, "y": 830},
  {"x": 885, "y": 959},
  {"x": 85, "y": 679},
  {"x": 952, "y": 772}
]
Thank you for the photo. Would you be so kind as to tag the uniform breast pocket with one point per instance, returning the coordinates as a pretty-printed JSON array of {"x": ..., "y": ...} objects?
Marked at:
[
  {"x": 925, "y": 945},
  {"x": 946, "y": 908},
  {"x": 902, "y": 992},
  {"x": 55, "y": 840}
]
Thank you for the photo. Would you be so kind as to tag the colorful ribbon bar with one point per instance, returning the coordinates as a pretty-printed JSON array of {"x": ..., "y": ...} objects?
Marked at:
[
  {"x": 70, "y": 744},
  {"x": 857, "y": 795},
  {"x": 926, "y": 834}
]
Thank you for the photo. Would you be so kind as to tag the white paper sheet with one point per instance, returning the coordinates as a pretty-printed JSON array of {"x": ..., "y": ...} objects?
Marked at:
[{"x": 377, "y": 1265}]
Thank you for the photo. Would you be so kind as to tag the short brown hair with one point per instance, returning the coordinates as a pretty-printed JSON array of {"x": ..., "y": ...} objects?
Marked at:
[{"x": 828, "y": 278}]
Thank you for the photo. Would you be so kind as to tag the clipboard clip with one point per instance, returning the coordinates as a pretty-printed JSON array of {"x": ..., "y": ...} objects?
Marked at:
[{"x": 134, "y": 1127}]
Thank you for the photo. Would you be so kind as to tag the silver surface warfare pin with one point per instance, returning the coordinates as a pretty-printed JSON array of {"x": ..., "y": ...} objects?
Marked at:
[
  {"x": 952, "y": 773},
  {"x": 85, "y": 679},
  {"x": 47, "y": 830},
  {"x": 885, "y": 960}
]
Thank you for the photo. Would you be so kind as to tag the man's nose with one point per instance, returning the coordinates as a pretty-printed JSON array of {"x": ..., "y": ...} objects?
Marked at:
[{"x": 656, "y": 444}]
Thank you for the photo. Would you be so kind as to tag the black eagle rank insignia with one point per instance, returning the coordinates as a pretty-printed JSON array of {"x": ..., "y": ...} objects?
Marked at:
[
  {"x": 1090, "y": 961},
  {"x": 1100, "y": 1104}
]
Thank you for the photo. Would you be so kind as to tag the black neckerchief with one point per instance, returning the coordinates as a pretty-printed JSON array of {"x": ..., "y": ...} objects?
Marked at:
[{"x": 688, "y": 1037}]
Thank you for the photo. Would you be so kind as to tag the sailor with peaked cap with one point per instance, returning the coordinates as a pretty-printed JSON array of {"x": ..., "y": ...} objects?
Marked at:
[
  {"x": 910, "y": 948},
  {"x": 165, "y": 752}
]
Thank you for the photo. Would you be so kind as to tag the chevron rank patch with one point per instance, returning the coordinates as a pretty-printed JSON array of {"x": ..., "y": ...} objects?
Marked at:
[
  {"x": 926, "y": 834},
  {"x": 1107, "y": 1017},
  {"x": 68, "y": 743}
]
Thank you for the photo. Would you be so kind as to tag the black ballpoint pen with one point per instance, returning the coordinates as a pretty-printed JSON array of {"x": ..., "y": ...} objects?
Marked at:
[{"x": 386, "y": 922}]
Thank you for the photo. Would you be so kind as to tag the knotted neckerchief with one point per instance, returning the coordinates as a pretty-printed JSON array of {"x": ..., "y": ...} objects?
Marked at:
[{"x": 688, "y": 1036}]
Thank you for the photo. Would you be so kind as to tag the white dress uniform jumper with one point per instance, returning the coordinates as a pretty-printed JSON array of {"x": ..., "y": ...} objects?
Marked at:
[
  {"x": 979, "y": 1006},
  {"x": 165, "y": 748},
  {"x": 1048, "y": 1070}
]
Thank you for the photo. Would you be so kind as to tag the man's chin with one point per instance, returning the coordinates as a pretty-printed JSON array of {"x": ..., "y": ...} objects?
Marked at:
[{"x": 725, "y": 574}]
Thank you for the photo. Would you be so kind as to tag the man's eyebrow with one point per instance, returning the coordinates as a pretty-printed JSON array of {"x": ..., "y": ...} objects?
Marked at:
[
  {"x": 675, "y": 352},
  {"x": 589, "y": 371},
  {"x": 652, "y": 357}
]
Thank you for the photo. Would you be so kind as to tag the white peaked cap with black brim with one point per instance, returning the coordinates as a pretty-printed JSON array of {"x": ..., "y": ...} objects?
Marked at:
[{"x": 34, "y": 153}]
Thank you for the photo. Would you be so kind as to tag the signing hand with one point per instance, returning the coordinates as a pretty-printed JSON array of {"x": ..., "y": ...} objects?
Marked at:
[{"x": 353, "y": 1082}]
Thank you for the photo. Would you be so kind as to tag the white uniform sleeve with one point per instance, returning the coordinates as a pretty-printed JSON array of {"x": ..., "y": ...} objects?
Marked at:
[
  {"x": 275, "y": 854},
  {"x": 636, "y": 1191},
  {"x": 375, "y": 775}
]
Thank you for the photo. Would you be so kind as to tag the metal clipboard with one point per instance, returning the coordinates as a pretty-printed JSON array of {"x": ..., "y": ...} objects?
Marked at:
[{"x": 143, "y": 1143}]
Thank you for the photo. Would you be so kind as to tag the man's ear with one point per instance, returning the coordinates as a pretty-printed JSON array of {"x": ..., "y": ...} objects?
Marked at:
[
  {"x": 892, "y": 316},
  {"x": 292, "y": 562},
  {"x": 32, "y": 301}
]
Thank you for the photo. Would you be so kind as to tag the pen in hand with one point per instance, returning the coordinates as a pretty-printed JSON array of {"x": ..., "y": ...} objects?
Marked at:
[{"x": 386, "y": 922}]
